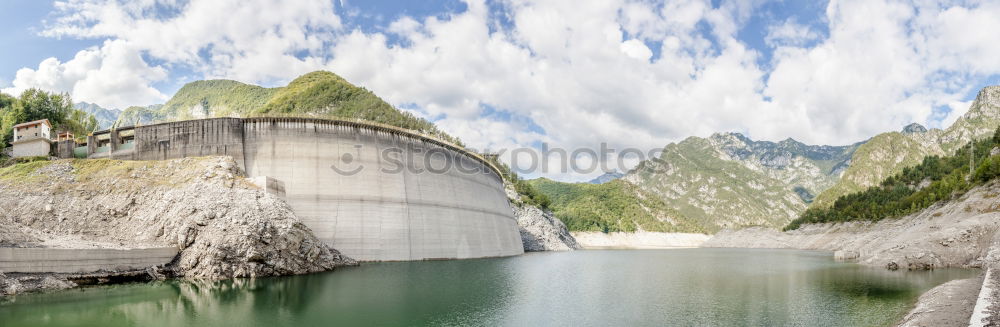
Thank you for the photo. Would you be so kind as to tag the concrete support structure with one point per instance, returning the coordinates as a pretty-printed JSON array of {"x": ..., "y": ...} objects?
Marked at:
[
  {"x": 91, "y": 145},
  {"x": 49, "y": 260},
  {"x": 35, "y": 147},
  {"x": 64, "y": 149},
  {"x": 374, "y": 192}
]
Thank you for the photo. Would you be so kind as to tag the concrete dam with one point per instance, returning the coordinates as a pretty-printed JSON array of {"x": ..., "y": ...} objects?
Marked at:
[{"x": 372, "y": 191}]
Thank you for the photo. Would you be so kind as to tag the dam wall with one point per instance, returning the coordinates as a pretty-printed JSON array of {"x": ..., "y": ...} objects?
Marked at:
[{"x": 374, "y": 192}]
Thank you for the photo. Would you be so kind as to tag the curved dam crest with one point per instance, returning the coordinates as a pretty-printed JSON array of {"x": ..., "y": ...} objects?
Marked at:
[{"x": 374, "y": 192}]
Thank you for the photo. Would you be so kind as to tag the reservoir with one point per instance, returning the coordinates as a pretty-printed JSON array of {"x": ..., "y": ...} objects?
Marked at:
[{"x": 679, "y": 287}]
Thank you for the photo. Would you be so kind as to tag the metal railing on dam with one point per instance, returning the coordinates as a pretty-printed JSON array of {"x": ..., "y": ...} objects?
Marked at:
[{"x": 372, "y": 191}]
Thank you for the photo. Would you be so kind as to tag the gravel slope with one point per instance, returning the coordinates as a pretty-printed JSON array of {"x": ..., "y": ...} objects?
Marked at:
[{"x": 224, "y": 226}]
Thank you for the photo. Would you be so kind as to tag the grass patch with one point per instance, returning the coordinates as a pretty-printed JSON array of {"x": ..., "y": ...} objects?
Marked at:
[{"x": 21, "y": 173}]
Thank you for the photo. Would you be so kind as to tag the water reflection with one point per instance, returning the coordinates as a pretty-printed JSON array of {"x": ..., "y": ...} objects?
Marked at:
[{"x": 670, "y": 287}]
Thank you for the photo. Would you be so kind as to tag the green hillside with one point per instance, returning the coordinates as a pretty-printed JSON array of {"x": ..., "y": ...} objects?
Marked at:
[
  {"x": 882, "y": 156},
  {"x": 888, "y": 153},
  {"x": 324, "y": 94},
  {"x": 915, "y": 188},
  {"x": 318, "y": 94},
  {"x": 216, "y": 98},
  {"x": 615, "y": 206},
  {"x": 732, "y": 181},
  {"x": 136, "y": 115}
]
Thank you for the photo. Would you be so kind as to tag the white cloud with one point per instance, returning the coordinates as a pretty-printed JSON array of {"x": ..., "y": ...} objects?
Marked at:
[
  {"x": 885, "y": 64},
  {"x": 636, "y": 49},
  {"x": 790, "y": 33},
  {"x": 249, "y": 40},
  {"x": 113, "y": 75},
  {"x": 956, "y": 110},
  {"x": 571, "y": 69}
]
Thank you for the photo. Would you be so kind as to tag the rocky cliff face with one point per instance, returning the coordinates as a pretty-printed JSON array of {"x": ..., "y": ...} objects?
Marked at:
[
  {"x": 887, "y": 154},
  {"x": 224, "y": 226},
  {"x": 105, "y": 117},
  {"x": 540, "y": 230},
  {"x": 730, "y": 180}
]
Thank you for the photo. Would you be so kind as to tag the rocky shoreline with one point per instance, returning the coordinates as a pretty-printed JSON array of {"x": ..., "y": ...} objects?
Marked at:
[
  {"x": 959, "y": 233},
  {"x": 639, "y": 240},
  {"x": 223, "y": 225},
  {"x": 540, "y": 229}
]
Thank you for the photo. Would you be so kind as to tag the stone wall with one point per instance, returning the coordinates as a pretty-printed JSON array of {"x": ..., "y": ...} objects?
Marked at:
[
  {"x": 49, "y": 260},
  {"x": 193, "y": 138}
]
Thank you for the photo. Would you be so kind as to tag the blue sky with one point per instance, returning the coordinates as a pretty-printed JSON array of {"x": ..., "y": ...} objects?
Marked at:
[{"x": 519, "y": 73}]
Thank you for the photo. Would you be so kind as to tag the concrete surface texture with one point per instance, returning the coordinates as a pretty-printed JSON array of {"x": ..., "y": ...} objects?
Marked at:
[
  {"x": 376, "y": 195},
  {"x": 33, "y": 147},
  {"x": 981, "y": 312},
  {"x": 48, "y": 260},
  {"x": 374, "y": 192}
]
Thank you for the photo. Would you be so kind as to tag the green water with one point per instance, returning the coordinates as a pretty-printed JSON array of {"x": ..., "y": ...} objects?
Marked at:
[{"x": 690, "y": 287}]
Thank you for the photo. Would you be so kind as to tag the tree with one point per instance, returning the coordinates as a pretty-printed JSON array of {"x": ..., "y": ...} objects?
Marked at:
[
  {"x": 38, "y": 105},
  {"x": 35, "y": 104},
  {"x": 10, "y": 115}
]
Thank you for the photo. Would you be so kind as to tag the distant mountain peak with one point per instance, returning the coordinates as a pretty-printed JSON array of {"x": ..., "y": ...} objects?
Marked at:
[
  {"x": 607, "y": 177},
  {"x": 914, "y": 128}
]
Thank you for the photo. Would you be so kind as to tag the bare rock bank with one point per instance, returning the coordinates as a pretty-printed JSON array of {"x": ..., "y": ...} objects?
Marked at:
[
  {"x": 223, "y": 225},
  {"x": 639, "y": 240},
  {"x": 957, "y": 233},
  {"x": 540, "y": 230},
  {"x": 948, "y": 304}
]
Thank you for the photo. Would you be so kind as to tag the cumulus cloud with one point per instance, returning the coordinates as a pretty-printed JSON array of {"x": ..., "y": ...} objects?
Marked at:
[
  {"x": 580, "y": 73},
  {"x": 790, "y": 33},
  {"x": 113, "y": 75},
  {"x": 249, "y": 40},
  {"x": 956, "y": 110}
]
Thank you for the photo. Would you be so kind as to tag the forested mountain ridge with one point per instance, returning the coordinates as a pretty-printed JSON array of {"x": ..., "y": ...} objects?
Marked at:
[
  {"x": 319, "y": 94},
  {"x": 614, "y": 206},
  {"x": 917, "y": 187},
  {"x": 887, "y": 154}
]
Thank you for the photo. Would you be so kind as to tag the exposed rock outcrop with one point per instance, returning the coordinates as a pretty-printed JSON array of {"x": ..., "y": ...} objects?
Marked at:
[
  {"x": 540, "y": 230},
  {"x": 958, "y": 233},
  {"x": 728, "y": 180},
  {"x": 224, "y": 226}
]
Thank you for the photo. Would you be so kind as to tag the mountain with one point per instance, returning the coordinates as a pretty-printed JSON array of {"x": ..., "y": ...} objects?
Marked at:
[
  {"x": 607, "y": 177},
  {"x": 215, "y": 98},
  {"x": 730, "y": 180},
  {"x": 616, "y": 206},
  {"x": 318, "y": 94},
  {"x": 887, "y": 154},
  {"x": 105, "y": 117},
  {"x": 136, "y": 115},
  {"x": 934, "y": 180}
]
